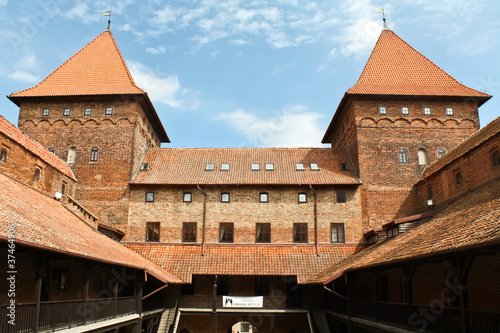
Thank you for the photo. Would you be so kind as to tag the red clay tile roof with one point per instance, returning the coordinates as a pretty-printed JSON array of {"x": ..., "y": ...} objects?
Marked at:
[
  {"x": 471, "y": 221},
  {"x": 15, "y": 135},
  {"x": 283, "y": 260},
  {"x": 476, "y": 139},
  {"x": 396, "y": 68},
  {"x": 187, "y": 166},
  {"x": 97, "y": 69},
  {"x": 45, "y": 223}
]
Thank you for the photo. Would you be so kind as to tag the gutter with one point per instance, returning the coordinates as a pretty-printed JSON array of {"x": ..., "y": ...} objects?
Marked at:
[
  {"x": 204, "y": 219},
  {"x": 315, "y": 219}
]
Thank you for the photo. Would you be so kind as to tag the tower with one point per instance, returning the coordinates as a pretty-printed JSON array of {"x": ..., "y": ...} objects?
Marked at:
[
  {"x": 91, "y": 113},
  {"x": 402, "y": 114}
]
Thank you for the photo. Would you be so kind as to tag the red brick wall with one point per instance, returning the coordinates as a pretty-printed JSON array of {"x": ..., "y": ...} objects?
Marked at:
[
  {"x": 483, "y": 286},
  {"x": 244, "y": 210}
]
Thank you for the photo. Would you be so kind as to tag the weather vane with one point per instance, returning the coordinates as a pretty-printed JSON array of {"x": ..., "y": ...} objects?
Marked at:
[
  {"x": 108, "y": 14},
  {"x": 381, "y": 11}
]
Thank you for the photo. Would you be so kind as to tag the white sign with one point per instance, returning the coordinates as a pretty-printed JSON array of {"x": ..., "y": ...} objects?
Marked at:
[{"x": 242, "y": 302}]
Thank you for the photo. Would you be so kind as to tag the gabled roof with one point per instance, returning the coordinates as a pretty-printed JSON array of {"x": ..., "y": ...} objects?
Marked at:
[
  {"x": 97, "y": 69},
  {"x": 396, "y": 68},
  {"x": 180, "y": 166},
  {"x": 13, "y": 133},
  {"x": 476, "y": 139},
  {"x": 45, "y": 223},
  {"x": 278, "y": 260},
  {"x": 467, "y": 223}
]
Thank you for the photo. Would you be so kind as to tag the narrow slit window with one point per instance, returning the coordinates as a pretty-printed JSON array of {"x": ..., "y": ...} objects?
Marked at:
[
  {"x": 94, "y": 154},
  {"x": 3, "y": 155},
  {"x": 37, "y": 174}
]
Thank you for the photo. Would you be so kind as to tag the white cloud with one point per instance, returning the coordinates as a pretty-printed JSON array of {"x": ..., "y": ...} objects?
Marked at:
[
  {"x": 81, "y": 13},
  {"x": 238, "y": 42},
  {"x": 156, "y": 50},
  {"x": 294, "y": 126},
  {"x": 24, "y": 77}
]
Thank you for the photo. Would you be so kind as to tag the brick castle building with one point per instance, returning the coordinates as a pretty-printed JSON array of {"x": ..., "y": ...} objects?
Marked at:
[{"x": 403, "y": 208}]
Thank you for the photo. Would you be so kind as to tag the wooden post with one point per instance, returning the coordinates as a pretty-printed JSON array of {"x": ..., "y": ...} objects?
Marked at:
[
  {"x": 408, "y": 271},
  {"x": 138, "y": 294},
  {"x": 214, "y": 306},
  {"x": 350, "y": 301},
  {"x": 39, "y": 261},
  {"x": 115, "y": 297}
]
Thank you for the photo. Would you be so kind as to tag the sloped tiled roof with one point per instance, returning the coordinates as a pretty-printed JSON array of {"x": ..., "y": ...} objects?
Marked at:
[
  {"x": 45, "y": 223},
  {"x": 468, "y": 222},
  {"x": 476, "y": 139},
  {"x": 187, "y": 260},
  {"x": 13, "y": 133},
  {"x": 396, "y": 68},
  {"x": 187, "y": 166},
  {"x": 97, "y": 69}
]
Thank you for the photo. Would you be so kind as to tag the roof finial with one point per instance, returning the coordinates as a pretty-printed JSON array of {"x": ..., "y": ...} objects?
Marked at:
[
  {"x": 108, "y": 14},
  {"x": 381, "y": 11}
]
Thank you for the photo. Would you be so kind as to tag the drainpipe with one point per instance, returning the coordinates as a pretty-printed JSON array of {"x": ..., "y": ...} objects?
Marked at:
[
  {"x": 204, "y": 219},
  {"x": 315, "y": 219}
]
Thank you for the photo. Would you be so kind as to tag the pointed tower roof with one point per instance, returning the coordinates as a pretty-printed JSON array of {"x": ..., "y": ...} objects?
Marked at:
[
  {"x": 97, "y": 69},
  {"x": 396, "y": 68}
]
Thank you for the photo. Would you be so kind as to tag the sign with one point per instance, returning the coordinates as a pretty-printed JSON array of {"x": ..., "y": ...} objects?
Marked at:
[{"x": 242, "y": 302}]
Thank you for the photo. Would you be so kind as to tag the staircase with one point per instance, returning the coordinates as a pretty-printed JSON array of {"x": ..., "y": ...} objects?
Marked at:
[
  {"x": 320, "y": 322},
  {"x": 167, "y": 321}
]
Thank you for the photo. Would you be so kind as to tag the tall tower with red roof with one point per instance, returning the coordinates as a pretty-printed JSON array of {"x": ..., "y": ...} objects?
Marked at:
[
  {"x": 90, "y": 112},
  {"x": 402, "y": 114}
]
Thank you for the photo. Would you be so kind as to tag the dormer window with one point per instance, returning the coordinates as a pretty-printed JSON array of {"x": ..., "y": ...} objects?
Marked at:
[
  {"x": 255, "y": 166},
  {"x": 405, "y": 111},
  {"x": 144, "y": 167},
  {"x": 314, "y": 166},
  {"x": 344, "y": 167},
  {"x": 210, "y": 167},
  {"x": 269, "y": 166},
  {"x": 45, "y": 112},
  {"x": 67, "y": 112},
  {"x": 382, "y": 110},
  {"x": 299, "y": 166},
  {"x": 449, "y": 112},
  {"x": 109, "y": 111},
  {"x": 427, "y": 111},
  {"x": 224, "y": 167},
  {"x": 87, "y": 112}
]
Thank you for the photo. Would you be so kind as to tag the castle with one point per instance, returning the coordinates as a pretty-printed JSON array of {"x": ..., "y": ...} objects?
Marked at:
[{"x": 400, "y": 214}]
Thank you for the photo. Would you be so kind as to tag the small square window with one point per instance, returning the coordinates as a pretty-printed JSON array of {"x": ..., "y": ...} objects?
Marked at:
[
  {"x": 152, "y": 231},
  {"x": 299, "y": 166},
  {"x": 427, "y": 111},
  {"x": 67, "y": 112},
  {"x": 264, "y": 197},
  {"x": 224, "y": 167},
  {"x": 344, "y": 167},
  {"x": 382, "y": 110},
  {"x": 449, "y": 111},
  {"x": 255, "y": 166},
  {"x": 144, "y": 167},
  {"x": 109, "y": 111},
  {"x": 338, "y": 235},
  {"x": 45, "y": 112},
  {"x": 210, "y": 167},
  {"x": 314, "y": 166},
  {"x": 226, "y": 232},
  {"x": 341, "y": 197},
  {"x": 187, "y": 197},
  {"x": 300, "y": 232},
  {"x": 189, "y": 232},
  {"x": 224, "y": 197},
  {"x": 269, "y": 166},
  {"x": 88, "y": 112},
  {"x": 150, "y": 196},
  {"x": 302, "y": 197},
  {"x": 405, "y": 111},
  {"x": 263, "y": 233}
]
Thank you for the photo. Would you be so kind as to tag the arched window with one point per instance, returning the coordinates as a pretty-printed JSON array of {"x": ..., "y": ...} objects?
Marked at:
[
  {"x": 3, "y": 155},
  {"x": 441, "y": 153},
  {"x": 402, "y": 156},
  {"x": 37, "y": 174},
  {"x": 72, "y": 155},
  {"x": 422, "y": 157},
  {"x": 51, "y": 149},
  {"x": 94, "y": 154},
  {"x": 495, "y": 157}
]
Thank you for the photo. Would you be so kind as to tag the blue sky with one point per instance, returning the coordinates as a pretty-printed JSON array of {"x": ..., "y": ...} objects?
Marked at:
[{"x": 230, "y": 73}]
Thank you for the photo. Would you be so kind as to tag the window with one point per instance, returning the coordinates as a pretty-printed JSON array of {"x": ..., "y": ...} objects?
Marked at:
[
  {"x": 255, "y": 166},
  {"x": 72, "y": 155},
  {"x": 87, "y": 112},
  {"x": 150, "y": 196},
  {"x": 402, "y": 156},
  {"x": 144, "y": 167},
  {"x": 51, "y": 150},
  {"x": 245, "y": 327},
  {"x": 189, "y": 232},
  {"x": 405, "y": 111},
  {"x": 224, "y": 197},
  {"x": 226, "y": 232},
  {"x": 429, "y": 192},
  {"x": 441, "y": 153},
  {"x": 269, "y": 166},
  {"x": 109, "y": 111},
  {"x": 152, "y": 231},
  {"x": 338, "y": 235},
  {"x": 344, "y": 167},
  {"x": 300, "y": 232},
  {"x": 67, "y": 112},
  {"x": 393, "y": 232},
  {"x": 37, "y": 174},
  {"x": 341, "y": 197},
  {"x": 264, "y": 197},
  {"x": 382, "y": 110},
  {"x": 458, "y": 178},
  {"x": 299, "y": 166},
  {"x": 187, "y": 197},
  {"x": 224, "y": 167},
  {"x": 94, "y": 154},
  {"x": 422, "y": 157},
  {"x": 63, "y": 188},
  {"x": 263, "y": 233},
  {"x": 210, "y": 167},
  {"x": 3, "y": 155},
  {"x": 302, "y": 197},
  {"x": 314, "y": 166},
  {"x": 427, "y": 111},
  {"x": 495, "y": 157},
  {"x": 64, "y": 280},
  {"x": 449, "y": 111},
  {"x": 45, "y": 112}
]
